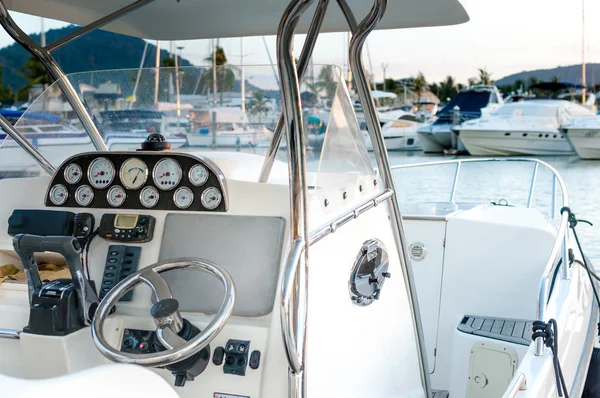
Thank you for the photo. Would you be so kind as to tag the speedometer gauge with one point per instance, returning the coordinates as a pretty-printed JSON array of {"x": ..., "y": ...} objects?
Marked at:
[
  {"x": 133, "y": 173},
  {"x": 149, "y": 197},
  {"x": 198, "y": 175},
  {"x": 167, "y": 174},
  {"x": 116, "y": 196},
  {"x": 211, "y": 198},
  {"x": 183, "y": 197},
  {"x": 84, "y": 195},
  {"x": 73, "y": 173},
  {"x": 101, "y": 173},
  {"x": 58, "y": 194}
]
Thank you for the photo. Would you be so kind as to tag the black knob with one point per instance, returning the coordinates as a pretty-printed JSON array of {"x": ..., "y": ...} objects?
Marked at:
[
  {"x": 164, "y": 308},
  {"x": 155, "y": 142}
]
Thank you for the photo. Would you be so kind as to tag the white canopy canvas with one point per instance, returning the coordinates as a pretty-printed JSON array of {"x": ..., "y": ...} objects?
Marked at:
[{"x": 198, "y": 19}]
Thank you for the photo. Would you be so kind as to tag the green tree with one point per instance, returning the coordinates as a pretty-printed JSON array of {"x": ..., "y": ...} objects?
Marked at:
[
  {"x": 555, "y": 79},
  {"x": 531, "y": 81},
  {"x": 447, "y": 89},
  {"x": 168, "y": 62},
  {"x": 326, "y": 82},
  {"x": 420, "y": 85},
  {"x": 519, "y": 85},
  {"x": 6, "y": 93},
  {"x": 484, "y": 77},
  {"x": 225, "y": 73},
  {"x": 259, "y": 105},
  {"x": 34, "y": 73}
]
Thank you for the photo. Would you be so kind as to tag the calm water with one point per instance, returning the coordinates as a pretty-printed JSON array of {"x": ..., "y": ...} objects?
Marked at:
[{"x": 511, "y": 182}]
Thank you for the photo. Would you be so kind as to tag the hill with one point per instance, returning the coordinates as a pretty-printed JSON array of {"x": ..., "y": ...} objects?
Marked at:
[
  {"x": 571, "y": 74},
  {"x": 99, "y": 50}
]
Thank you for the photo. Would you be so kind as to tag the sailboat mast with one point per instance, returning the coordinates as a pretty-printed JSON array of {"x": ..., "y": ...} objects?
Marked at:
[
  {"x": 43, "y": 33},
  {"x": 242, "y": 75},
  {"x": 157, "y": 72},
  {"x": 583, "y": 71},
  {"x": 177, "y": 52},
  {"x": 214, "y": 71},
  {"x": 139, "y": 75}
]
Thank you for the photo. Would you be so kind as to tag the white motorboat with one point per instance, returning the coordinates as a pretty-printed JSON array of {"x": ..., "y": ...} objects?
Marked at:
[
  {"x": 522, "y": 128},
  {"x": 470, "y": 103},
  {"x": 584, "y": 135},
  {"x": 399, "y": 135},
  {"x": 224, "y": 127},
  {"x": 320, "y": 289}
]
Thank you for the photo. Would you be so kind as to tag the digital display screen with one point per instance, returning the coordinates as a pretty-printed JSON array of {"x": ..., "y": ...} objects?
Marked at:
[{"x": 125, "y": 221}]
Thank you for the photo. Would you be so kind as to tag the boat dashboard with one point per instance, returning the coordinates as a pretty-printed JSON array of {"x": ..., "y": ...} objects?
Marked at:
[{"x": 134, "y": 181}]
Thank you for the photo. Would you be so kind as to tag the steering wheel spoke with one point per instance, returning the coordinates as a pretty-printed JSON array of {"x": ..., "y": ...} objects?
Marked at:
[{"x": 165, "y": 312}]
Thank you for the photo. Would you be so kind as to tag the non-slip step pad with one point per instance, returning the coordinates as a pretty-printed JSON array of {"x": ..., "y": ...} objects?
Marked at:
[{"x": 518, "y": 331}]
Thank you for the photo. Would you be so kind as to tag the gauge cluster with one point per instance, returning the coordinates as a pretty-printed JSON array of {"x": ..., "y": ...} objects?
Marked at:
[{"x": 134, "y": 180}]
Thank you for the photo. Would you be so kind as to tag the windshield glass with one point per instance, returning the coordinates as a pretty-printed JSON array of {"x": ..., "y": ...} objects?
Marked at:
[{"x": 127, "y": 105}]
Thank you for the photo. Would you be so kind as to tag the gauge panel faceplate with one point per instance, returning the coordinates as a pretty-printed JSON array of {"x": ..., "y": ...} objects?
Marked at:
[{"x": 132, "y": 196}]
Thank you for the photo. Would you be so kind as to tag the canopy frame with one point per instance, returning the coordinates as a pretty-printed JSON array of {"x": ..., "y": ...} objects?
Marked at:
[
  {"x": 43, "y": 54},
  {"x": 294, "y": 289}
]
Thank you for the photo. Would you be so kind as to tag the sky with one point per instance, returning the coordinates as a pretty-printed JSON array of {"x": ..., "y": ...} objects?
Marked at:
[{"x": 504, "y": 36}]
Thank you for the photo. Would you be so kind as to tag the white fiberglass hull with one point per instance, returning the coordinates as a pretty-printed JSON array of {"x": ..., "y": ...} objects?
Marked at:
[
  {"x": 586, "y": 142},
  {"x": 515, "y": 143},
  {"x": 402, "y": 142},
  {"x": 435, "y": 141}
]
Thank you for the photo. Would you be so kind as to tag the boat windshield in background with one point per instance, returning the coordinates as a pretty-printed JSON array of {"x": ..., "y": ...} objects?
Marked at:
[{"x": 469, "y": 102}]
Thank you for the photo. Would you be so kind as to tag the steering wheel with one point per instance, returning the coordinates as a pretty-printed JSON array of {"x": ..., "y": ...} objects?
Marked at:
[{"x": 165, "y": 313}]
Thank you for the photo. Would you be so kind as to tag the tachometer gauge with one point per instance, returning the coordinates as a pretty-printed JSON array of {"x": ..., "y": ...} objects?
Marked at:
[
  {"x": 133, "y": 173},
  {"x": 183, "y": 197},
  {"x": 101, "y": 173},
  {"x": 166, "y": 174},
  {"x": 84, "y": 195},
  {"x": 73, "y": 173},
  {"x": 58, "y": 194},
  {"x": 149, "y": 197},
  {"x": 211, "y": 198},
  {"x": 198, "y": 175},
  {"x": 116, "y": 196}
]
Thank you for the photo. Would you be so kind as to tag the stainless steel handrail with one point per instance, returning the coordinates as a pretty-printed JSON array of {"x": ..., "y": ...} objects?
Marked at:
[
  {"x": 363, "y": 87},
  {"x": 10, "y": 334},
  {"x": 295, "y": 328},
  {"x": 560, "y": 250},
  {"x": 305, "y": 54},
  {"x": 518, "y": 383}
]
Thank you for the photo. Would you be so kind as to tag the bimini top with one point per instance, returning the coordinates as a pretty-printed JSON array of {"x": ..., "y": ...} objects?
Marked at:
[{"x": 200, "y": 19}]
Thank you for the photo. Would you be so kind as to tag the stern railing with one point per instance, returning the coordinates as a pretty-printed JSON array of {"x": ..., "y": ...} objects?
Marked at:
[{"x": 560, "y": 252}]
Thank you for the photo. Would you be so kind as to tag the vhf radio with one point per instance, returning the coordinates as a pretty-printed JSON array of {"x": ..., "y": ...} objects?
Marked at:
[{"x": 130, "y": 228}]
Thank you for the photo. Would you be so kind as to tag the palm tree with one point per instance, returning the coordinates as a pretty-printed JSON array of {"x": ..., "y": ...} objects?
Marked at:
[
  {"x": 420, "y": 85},
  {"x": 34, "y": 73},
  {"x": 448, "y": 88},
  {"x": 484, "y": 77},
  {"x": 259, "y": 105},
  {"x": 326, "y": 82},
  {"x": 225, "y": 73}
]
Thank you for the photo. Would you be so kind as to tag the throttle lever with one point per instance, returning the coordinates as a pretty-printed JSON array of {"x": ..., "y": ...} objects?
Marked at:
[{"x": 26, "y": 245}]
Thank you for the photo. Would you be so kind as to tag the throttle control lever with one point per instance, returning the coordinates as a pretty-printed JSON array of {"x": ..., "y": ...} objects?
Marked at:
[{"x": 26, "y": 245}]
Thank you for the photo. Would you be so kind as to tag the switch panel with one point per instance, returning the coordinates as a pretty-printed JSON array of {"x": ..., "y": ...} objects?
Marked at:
[
  {"x": 121, "y": 261},
  {"x": 138, "y": 341},
  {"x": 236, "y": 357}
]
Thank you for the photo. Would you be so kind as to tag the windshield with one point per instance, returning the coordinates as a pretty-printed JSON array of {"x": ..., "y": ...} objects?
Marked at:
[{"x": 127, "y": 105}]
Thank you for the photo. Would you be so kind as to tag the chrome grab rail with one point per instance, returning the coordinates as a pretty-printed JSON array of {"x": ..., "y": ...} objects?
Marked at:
[
  {"x": 10, "y": 334},
  {"x": 518, "y": 383},
  {"x": 560, "y": 250}
]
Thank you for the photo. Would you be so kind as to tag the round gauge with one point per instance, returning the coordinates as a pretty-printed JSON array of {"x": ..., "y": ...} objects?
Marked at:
[
  {"x": 58, "y": 194},
  {"x": 198, "y": 175},
  {"x": 84, "y": 195},
  {"x": 73, "y": 173},
  {"x": 101, "y": 173},
  {"x": 133, "y": 173},
  {"x": 166, "y": 174},
  {"x": 211, "y": 198},
  {"x": 116, "y": 196},
  {"x": 183, "y": 197},
  {"x": 149, "y": 197}
]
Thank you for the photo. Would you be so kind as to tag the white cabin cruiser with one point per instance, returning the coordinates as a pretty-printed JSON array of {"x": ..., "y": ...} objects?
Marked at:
[
  {"x": 318, "y": 291},
  {"x": 399, "y": 134},
  {"x": 471, "y": 103},
  {"x": 522, "y": 128},
  {"x": 584, "y": 135}
]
